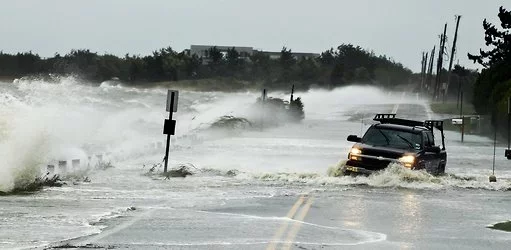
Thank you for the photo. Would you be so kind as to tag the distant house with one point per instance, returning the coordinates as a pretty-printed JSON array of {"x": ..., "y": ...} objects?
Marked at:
[
  {"x": 302, "y": 55},
  {"x": 272, "y": 55},
  {"x": 245, "y": 52},
  {"x": 202, "y": 51},
  {"x": 296, "y": 55}
]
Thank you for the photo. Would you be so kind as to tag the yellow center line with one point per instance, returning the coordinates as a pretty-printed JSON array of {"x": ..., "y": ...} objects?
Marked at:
[
  {"x": 396, "y": 106},
  {"x": 298, "y": 224},
  {"x": 285, "y": 224}
]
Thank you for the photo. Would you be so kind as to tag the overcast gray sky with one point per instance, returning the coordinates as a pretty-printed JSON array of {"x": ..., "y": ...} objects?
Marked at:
[{"x": 401, "y": 29}]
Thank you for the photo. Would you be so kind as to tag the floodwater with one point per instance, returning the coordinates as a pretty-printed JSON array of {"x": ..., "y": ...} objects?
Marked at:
[{"x": 245, "y": 181}]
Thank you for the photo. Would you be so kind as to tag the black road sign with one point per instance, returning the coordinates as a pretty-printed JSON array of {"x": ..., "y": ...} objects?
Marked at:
[{"x": 169, "y": 128}]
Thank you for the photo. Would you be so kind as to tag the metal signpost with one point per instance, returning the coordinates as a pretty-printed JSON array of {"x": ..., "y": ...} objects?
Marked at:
[
  {"x": 492, "y": 176},
  {"x": 462, "y": 118},
  {"x": 508, "y": 150},
  {"x": 263, "y": 100},
  {"x": 169, "y": 128}
]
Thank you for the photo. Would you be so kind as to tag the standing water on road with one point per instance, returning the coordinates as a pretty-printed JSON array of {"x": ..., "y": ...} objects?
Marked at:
[{"x": 236, "y": 172}]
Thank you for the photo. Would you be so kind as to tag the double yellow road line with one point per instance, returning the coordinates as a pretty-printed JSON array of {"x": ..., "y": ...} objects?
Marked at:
[{"x": 303, "y": 204}]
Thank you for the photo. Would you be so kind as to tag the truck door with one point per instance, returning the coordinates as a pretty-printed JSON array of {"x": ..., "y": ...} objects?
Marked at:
[{"x": 432, "y": 159}]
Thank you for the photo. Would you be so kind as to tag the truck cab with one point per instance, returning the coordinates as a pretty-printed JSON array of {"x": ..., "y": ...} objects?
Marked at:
[{"x": 406, "y": 142}]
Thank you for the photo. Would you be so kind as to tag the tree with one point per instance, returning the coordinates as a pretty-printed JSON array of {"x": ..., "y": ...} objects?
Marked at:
[
  {"x": 136, "y": 69},
  {"x": 327, "y": 57},
  {"x": 191, "y": 64},
  {"x": 287, "y": 62},
  {"x": 346, "y": 64},
  {"x": 215, "y": 55},
  {"x": 261, "y": 67},
  {"x": 233, "y": 61},
  {"x": 109, "y": 66},
  {"x": 308, "y": 70},
  {"x": 493, "y": 85},
  {"x": 463, "y": 79},
  {"x": 337, "y": 75},
  {"x": 296, "y": 110},
  {"x": 232, "y": 57},
  {"x": 362, "y": 75},
  {"x": 83, "y": 63},
  {"x": 500, "y": 40}
]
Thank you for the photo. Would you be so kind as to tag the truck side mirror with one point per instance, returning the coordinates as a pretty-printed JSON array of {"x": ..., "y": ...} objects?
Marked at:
[
  {"x": 433, "y": 149},
  {"x": 354, "y": 138}
]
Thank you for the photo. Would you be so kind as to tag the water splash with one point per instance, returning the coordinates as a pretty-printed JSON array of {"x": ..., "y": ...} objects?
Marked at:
[{"x": 394, "y": 176}]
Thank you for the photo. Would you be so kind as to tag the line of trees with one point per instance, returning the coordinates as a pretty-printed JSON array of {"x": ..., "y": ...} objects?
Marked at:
[
  {"x": 334, "y": 67},
  {"x": 493, "y": 86}
]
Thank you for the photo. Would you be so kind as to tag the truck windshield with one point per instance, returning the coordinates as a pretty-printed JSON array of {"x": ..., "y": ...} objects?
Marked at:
[{"x": 392, "y": 138}]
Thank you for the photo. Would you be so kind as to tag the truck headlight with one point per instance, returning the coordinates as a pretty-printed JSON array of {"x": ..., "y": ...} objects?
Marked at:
[
  {"x": 356, "y": 151},
  {"x": 407, "y": 160},
  {"x": 355, "y": 154}
]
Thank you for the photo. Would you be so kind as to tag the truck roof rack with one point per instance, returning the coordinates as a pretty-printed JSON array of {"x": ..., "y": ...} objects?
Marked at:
[
  {"x": 430, "y": 124},
  {"x": 384, "y": 116},
  {"x": 434, "y": 124},
  {"x": 391, "y": 119}
]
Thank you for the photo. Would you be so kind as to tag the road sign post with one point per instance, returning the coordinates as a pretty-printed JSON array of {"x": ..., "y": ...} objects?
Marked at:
[
  {"x": 263, "y": 100},
  {"x": 462, "y": 118},
  {"x": 169, "y": 127},
  {"x": 508, "y": 150}
]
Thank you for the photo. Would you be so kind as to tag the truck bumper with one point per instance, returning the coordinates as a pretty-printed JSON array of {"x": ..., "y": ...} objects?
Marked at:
[{"x": 349, "y": 170}]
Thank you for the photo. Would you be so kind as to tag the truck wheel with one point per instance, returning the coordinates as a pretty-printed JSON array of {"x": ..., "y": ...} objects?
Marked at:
[{"x": 441, "y": 169}]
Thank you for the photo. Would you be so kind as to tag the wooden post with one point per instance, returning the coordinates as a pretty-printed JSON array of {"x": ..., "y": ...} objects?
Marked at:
[
  {"x": 292, "y": 92},
  {"x": 263, "y": 100}
]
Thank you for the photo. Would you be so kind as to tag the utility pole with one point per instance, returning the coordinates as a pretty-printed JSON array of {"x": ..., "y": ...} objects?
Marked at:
[
  {"x": 423, "y": 71},
  {"x": 453, "y": 52},
  {"x": 426, "y": 63},
  {"x": 430, "y": 68},
  {"x": 443, "y": 39},
  {"x": 425, "y": 67}
]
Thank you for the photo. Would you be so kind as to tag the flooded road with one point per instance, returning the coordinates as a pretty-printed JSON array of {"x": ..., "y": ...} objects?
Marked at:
[{"x": 252, "y": 189}]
